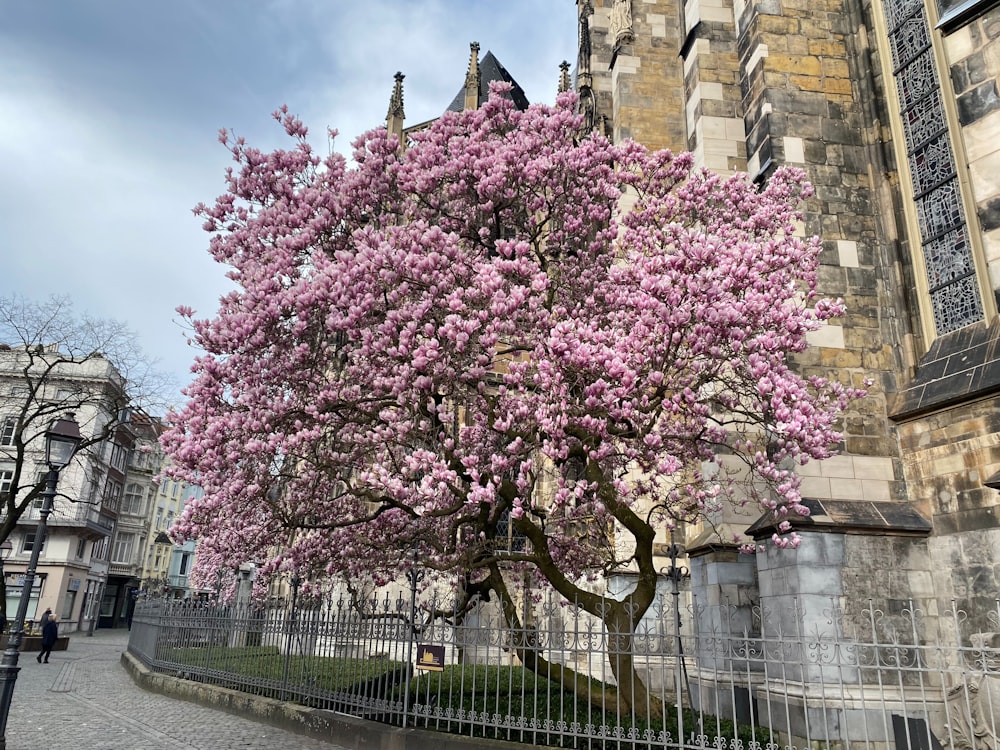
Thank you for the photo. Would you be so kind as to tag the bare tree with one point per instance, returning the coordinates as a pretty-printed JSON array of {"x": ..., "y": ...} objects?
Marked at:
[{"x": 53, "y": 361}]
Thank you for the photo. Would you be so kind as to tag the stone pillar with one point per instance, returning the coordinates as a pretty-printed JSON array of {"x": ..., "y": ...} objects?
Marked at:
[{"x": 713, "y": 108}]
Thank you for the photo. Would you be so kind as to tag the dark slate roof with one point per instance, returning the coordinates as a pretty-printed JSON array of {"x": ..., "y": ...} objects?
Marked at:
[
  {"x": 491, "y": 70},
  {"x": 958, "y": 367},
  {"x": 850, "y": 516}
]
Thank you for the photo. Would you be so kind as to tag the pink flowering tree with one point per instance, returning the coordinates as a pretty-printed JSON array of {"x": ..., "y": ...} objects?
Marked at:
[{"x": 505, "y": 325}]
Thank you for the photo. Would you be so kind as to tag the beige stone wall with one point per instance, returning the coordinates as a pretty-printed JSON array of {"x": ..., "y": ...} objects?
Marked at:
[
  {"x": 804, "y": 83},
  {"x": 714, "y": 108},
  {"x": 809, "y": 102},
  {"x": 947, "y": 455}
]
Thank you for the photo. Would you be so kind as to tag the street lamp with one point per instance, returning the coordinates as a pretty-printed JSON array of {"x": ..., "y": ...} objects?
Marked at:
[{"x": 61, "y": 442}]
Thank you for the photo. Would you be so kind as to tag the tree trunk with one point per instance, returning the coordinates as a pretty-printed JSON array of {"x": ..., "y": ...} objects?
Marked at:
[
  {"x": 629, "y": 697},
  {"x": 634, "y": 695}
]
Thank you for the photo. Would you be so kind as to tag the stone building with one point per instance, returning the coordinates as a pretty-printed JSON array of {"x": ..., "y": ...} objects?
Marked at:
[{"x": 892, "y": 108}]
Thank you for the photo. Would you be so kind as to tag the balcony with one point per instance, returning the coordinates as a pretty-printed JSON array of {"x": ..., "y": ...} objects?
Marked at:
[
  {"x": 88, "y": 520},
  {"x": 125, "y": 569}
]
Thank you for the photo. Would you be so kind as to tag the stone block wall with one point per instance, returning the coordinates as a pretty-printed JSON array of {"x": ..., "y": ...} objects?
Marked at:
[
  {"x": 809, "y": 81},
  {"x": 713, "y": 110},
  {"x": 809, "y": 102},
  {"x": 948, "y": 455}
]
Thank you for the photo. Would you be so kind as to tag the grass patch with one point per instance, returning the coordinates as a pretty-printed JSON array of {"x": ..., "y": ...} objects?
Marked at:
[
  {"x": 486, "y": 690},
  {"x": 514, "y": 691},
  {"x": 268, "y": 663}
]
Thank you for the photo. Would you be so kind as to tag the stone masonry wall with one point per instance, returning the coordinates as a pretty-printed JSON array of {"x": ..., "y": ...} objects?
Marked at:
[
  {"x": 948, "y": 456},
  {"x": 714, "y": 110},
  {"x": 809, "y": 102}
]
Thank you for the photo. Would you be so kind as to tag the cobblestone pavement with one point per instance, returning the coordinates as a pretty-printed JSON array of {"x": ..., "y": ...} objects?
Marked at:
[{"x": 83, "y": 699}]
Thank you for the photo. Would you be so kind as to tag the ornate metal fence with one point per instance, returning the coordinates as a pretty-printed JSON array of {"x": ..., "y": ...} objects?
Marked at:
[{"x": 745, "y": 677}]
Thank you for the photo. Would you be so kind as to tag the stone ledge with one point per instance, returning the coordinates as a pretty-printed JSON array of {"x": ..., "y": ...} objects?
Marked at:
[{"x": 331, "y": 726}]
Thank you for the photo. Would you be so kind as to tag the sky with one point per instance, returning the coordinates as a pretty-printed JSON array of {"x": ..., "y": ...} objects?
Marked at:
[{"x": 110, "y": 112}]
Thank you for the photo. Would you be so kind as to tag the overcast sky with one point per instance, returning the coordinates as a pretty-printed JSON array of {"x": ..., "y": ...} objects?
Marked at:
[{"x": 110, "y": 110}]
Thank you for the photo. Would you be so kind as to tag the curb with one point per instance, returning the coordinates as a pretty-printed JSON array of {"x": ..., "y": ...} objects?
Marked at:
[{"x": 333, "y": 727}]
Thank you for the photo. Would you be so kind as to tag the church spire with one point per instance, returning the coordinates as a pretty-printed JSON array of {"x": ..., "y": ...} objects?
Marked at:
[
  {"x": 394, "y": 120},
  {"x": 472, "y": 78}
]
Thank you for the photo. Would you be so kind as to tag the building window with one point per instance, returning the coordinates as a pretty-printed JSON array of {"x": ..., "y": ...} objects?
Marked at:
[
  {"x": 122, "y": 552},
  {"x": 40, "y": 479},
  {"x": 184, "y": 565},
  {"x": 6, "y": 480},
  {"x": 29, "y": 543},
  {"x": 945, "y": 242},
  {"x": 8, "y": 430},
  {"x": 119, "y": 456},
  {"x": 132, "y": 503},
  {"x": 69, "y": 601},
  {"x": 100, "y": 549},
  {"x": 81, "y": 548},
  {"x": 112, "y": 494}
]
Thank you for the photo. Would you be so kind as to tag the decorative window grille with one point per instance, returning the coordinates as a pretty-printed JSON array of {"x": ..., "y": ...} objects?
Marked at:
[
  {"x": 508, "y": 538},
  {"x": 944, "y": 235}
]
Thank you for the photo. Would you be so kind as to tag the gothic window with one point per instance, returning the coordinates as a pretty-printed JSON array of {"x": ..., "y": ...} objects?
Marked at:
[
  {"x": 944, "y": 236},
  {"x": 509, "y": 539}
]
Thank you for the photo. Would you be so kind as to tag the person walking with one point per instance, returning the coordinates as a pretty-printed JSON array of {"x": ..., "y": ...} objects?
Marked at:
[{"x": 50, "y": 632}]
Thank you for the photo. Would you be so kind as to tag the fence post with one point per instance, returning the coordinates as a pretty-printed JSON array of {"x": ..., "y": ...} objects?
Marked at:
[{"x": 291, "y": 631}]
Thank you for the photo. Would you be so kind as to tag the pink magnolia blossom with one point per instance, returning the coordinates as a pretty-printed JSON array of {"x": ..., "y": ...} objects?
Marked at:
[{"x": 429, "y": 346}]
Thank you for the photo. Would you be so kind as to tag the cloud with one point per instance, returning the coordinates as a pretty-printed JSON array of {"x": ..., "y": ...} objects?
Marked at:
[{"x": 111, "y": 112}]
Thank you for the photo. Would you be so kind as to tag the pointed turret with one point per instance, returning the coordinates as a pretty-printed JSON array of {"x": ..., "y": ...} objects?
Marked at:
[
  {"x": 394, "y": 120},
  {"x": 564, "y": 84},
  {"x": 472, "y": 78}
]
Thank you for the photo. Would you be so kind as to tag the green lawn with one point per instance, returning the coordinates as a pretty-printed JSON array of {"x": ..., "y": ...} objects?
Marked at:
[{"x": 506, "y": 691}]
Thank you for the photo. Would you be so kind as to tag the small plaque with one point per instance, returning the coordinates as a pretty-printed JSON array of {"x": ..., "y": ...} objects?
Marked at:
[{"x": 430, "y": 658}]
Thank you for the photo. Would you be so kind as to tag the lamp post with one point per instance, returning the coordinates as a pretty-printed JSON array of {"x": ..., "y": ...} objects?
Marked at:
[
  {"x": 61, "y": 442},
  {"x": 414, "y": 575}
]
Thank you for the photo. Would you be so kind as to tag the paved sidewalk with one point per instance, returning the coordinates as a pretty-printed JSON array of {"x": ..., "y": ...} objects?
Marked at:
[{"x": 84, "y": 700}]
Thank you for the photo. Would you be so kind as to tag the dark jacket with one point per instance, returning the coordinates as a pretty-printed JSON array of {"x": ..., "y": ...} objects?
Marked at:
[{"x": 50, "y": 632}]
